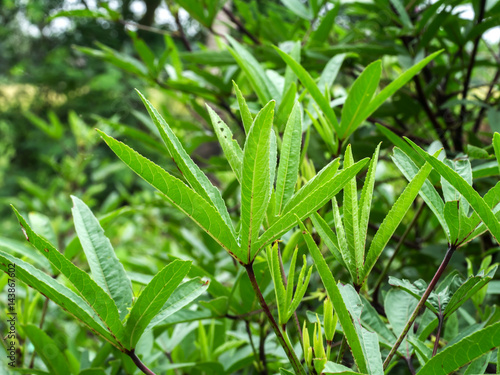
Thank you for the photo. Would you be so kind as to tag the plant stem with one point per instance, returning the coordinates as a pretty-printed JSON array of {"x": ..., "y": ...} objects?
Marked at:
[
  {"x": 141, "y": 366},
  {"x": 256, "y": 356},
  {"x": 458, "y": 134},
  {"x": 240, "y": 25},
  {"x": 42, "y": 320},
  {"x": 438, "y": 334},
  {"x": 294, "y": 361},
  {"x": 421, "y": 303}
]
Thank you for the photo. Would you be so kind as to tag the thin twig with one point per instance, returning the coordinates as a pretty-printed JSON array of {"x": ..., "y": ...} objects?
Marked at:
[
  {"x": 421, "y": 303},
  {"x": 249, "y": 333},
  {"x": 294, "y": 361},
  {"x": 141, "y": 366},
  {"x": 438, "y": 334},
  {"x": 42, "y": 320},
  {"x": 240, "y": 25},
  {"x": 457, "y": 140}
]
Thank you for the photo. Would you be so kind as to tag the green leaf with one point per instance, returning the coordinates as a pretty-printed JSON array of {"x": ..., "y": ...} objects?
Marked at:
[
  {"x": 313, "y": 89},
  {"x": 452, "y": 217},
  {"x": 350, "y": 220},
  {"x": 403, "y": 15},
  {"x": 372, "y": 321},
  {"x": 428, "y": 193},
  {"x": 368, "y": 340},
  {"x": 290, "y": 76},
  {"x": 179, "y": 195},
  {"x": 289, "y": 159},
  {"x": 320, "y": 35},
  {"x": 365, "y": 201},
  {"x": 335, "y": 368},
  {"x": 183, "y": 295},
  {"x": 395, "y": 85},
  {"x": 297, "y": 7},
  {"x": 496, "y": 147},
  {"x": 48, "y": 350},
  {"x": 230, "y": 147},
  {"x": 358, "y": 99},
  {"x": 262, "y": 85},
  {"x": 59, "y": 294},
  {"x": 394, "y": 218},
  {"x": 313, "y": 195},
  {"x": 347, "y": 253},
  {"x": 469, "y": 288},
  {"x": 107, "y": 271},
  {"x": 92, "y": 293},
  {"x": 256, "y": 184},
  {"x": 333, "y": 291},
  {"x": 399, "y": 306},
  {"x": 190, "y": 171},
  {"x": 466, "y": 190},
  {"x": 328, "y": 236},
  {"x": 463, "y": 168},
  {"x": 330, "y": 70},
  {"x": 153, "y": 297},
  {"x": 246, "y": 116},
  {"x": 453, "y": 357},
  {"x": 279, "y": 287}
]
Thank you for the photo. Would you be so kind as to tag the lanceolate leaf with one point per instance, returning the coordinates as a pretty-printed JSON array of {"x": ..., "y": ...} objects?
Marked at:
[
  {"x": 289, "y": 159},
  {"x": 496, "y": 147},
  {"x": 181, "y": 297},
  {"x": 313, "y": 89},
  {"x": 256, "y": 181},
  {"x": 48, "y": 350},
  {"x": 107, "y": 271},
  {"x": 230, "y": 147},
  {"x": 59, "y": 294},
  {"x": 328, "y": 236},
  {"x": 351, "y": 221},
  {"x": 179, "y": 195},
  {"x": 394, "y": 217},
  {"x": 345, "y": 318},
  {"x": 471, "y": 195},
  {"x": 428, "y": 193},
  {"x": 466, "y": 350},
  {"x": 309, "y": 198},
  {"x": 365, "y": 201},
  {"x": 347, "y": 253},
  {"x": 360, "y": 95},
  {"x": 190, "y": 171},
  {"x": 262, "y": 85},
  {"x": 246, "y": 116},
  {"x": 395, "y": 85},
  {"x": 92, "y": 293},
  {"x": 368, "y": 340},
  {"x": 153, "y": 297}
]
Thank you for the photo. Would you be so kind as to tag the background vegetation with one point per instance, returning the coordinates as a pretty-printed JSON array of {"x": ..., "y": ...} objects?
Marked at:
[{"x": 68, "y": 67}]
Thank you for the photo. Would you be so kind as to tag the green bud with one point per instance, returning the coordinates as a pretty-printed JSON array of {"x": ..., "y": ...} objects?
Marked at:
[
  {"x": 329, "y": 320},
  {"x": 306, "y": 343},
  {"x": 319, "y": 350}
]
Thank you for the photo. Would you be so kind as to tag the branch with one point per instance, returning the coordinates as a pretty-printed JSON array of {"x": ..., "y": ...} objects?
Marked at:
[
  {"x": 141, "y": 366},
  {"x": 457, "y": 140},
  {"x": 294, "y": 361},
  {"x": 421, "y": 303}
]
